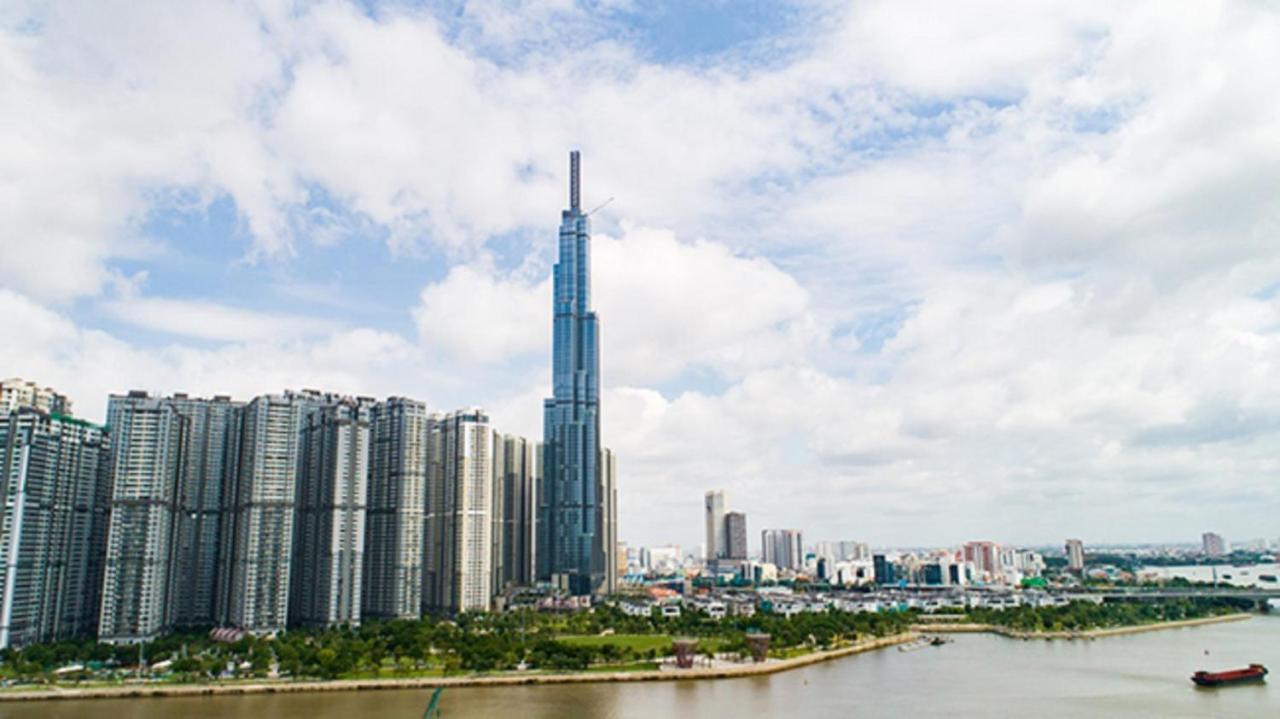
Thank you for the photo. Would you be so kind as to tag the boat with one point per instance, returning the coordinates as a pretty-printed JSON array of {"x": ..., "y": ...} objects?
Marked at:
[
  {"x": 1252, "y": 673},
  {"x": 1266, "y": 577}
]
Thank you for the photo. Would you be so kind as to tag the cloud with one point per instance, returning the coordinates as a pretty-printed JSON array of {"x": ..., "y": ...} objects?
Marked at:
[{"x": 932, "y": 271}]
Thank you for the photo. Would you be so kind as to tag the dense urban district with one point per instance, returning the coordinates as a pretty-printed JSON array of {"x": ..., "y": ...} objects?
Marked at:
[{"x": 316, "y": 535}]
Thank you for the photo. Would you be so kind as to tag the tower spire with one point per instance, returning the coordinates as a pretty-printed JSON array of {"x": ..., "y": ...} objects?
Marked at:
[{"x": 574, "y": 200}]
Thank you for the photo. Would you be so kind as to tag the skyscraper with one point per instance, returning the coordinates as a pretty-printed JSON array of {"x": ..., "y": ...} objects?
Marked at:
[
  {"x": 147, "y": 461},
  {"x": 459, "y": 537},
  {"x": 396, "y": 512},
  {"x": 713, "y": 517},
  {"x": 329, "y": 530},
  {"x": 517, "y": 469},
  {"x": 572, "y": 546},
  {"x": 52, "y": 526},
  {"x": 255, "y": 578},
  {"x": 208, "y": 464}
]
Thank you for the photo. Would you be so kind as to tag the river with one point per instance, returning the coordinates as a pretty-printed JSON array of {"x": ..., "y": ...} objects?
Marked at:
[
  {"x": 1141, "y": 675},
  {"x": 1223, "y": 574}
]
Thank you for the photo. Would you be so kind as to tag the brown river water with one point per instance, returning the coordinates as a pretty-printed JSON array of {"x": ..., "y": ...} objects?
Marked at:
[{"x": 1141, "y": 675}]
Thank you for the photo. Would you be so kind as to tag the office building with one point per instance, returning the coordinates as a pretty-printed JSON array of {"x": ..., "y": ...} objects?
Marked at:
[
  {"x": 735, "y": 531},
  {"x": 1075, "y": 555},
  {"x": 459, "y": 530},
  {"x": 150, "y": 438},
  {"x": 782, "y": 548},
  {"x": 396, "y": 510},
  {"x": 52, "y": 525},
  {"x": 572, "y": 547},
  {"x": 329, "y": 527},
  {"x": 713, "y": 517},
  {"x": 16, "y": 393},
  {"x": 1213, "y": 544},
  {"x": 259, "y": 532},
  {"x": 517, "y": 469}
]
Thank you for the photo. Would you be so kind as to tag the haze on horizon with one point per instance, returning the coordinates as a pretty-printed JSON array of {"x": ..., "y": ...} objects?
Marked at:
[{"x": 905, "y": 273}]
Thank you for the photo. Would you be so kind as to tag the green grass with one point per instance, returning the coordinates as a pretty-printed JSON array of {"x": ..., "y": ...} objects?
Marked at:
[{"x": 635, "y": 642}]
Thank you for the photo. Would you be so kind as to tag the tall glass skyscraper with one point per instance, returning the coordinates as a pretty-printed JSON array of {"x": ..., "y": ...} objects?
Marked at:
[{"x": 571, "y": 537}]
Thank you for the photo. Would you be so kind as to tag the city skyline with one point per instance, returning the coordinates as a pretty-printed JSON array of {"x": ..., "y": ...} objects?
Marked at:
[{"x": 1012, "y": 290}]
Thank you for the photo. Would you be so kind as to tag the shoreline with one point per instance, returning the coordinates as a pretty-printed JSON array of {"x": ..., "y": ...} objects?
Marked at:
[
  {"x": 511, "y": 679},
  {"x": 976, "y": 628},
  {"x": 773, "y": 666}
]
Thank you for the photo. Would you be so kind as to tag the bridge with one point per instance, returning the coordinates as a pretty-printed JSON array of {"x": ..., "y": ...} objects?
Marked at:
[{"x": 1259, "y": 596}]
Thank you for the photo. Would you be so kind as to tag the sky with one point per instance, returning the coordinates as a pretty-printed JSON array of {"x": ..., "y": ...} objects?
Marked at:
[{"x": 906, "y": 273}]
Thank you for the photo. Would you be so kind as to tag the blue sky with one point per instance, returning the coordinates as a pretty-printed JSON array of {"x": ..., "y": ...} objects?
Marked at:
[{"x": 888, "y": 271}]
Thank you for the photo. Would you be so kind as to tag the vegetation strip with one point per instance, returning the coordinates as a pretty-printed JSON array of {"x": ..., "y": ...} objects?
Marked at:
[
  {"x": 728, "y": 672},
  {"x": 976, "y": 628}
]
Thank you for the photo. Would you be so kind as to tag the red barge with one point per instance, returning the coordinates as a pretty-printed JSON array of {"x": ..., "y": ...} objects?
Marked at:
[{"x": 1252, "y": 673}]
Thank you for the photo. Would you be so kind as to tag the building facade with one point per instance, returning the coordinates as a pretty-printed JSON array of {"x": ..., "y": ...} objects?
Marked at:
[
  {"x": 150, "y": 440},
  {"x": 254, "y": 591},
  {"x": 713, "y": 518},
  {"x": 735, "y": 531},
  {"x": 459, "y": 531},
  {"x": 212, "y": 448},
  {"x": 572, "y": 547},
  {"x": 396, "y": 509},
  {"x": 782, "y": 548},
  {"x": 329, "y": 529},
  {"x": 517, "y": 471},
  {"x": 16, "y": 393},
  {"x": 52, "y": 526},
  {"x": 1075, "y": 555}
]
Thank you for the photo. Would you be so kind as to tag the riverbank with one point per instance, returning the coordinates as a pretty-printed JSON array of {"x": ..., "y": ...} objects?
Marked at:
[
  {"x": 771, "y": 666},
  {"x": 969, "y": 627}
]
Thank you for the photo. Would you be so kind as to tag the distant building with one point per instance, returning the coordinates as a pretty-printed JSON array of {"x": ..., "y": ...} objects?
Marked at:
[
  {"x": 1213, "y": 544},
  {"x": 884, "y": 574},
  {"x": 713, "y": 518},
  {"x": 735, "y": 530},
  {"x": 1075, "y": 555},
  {"x": 782, "y": 548},
  {"x": 459, "y": 536},
  {"x": 16, "y": 393},
  {"x": 52, "y": 526},
  {"x": 395, "y": 513},
  {"x": 985, "y": 557}
]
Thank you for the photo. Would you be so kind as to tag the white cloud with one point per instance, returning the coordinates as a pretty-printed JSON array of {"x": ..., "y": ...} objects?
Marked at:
[{"x": 1059, "y": 221}]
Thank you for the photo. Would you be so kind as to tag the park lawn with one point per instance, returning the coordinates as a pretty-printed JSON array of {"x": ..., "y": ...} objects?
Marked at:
[{"x": 635, "y": 642}]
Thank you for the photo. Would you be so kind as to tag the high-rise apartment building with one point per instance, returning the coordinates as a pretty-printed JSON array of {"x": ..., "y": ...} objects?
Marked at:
[
  {"x": 713, "y": 518},
  {"x": 16, "y": 393},
  {"x": 254, "y": 589},
  {"x": 150, "y": 439},
  {"x": 396, "y": 510},
  {"x": 517, "y": 471},
  {"x": 52, "y": 526},
  {"x": 459, "y": 531},
  {"x": 209, "y": 460},
  {"x": 783, "y": 548},
  {"x": 1075, "y": 555},
  {"x": 329, "y": 527},
  {"x": 573, "y": 551},
  {"x": 1213, "y": 545},
  {"x": 735, "y": 531}
]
